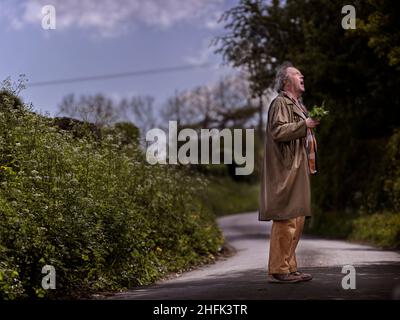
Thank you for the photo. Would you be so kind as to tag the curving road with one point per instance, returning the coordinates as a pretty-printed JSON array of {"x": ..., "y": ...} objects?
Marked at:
[{"x": 243, "y": 275}]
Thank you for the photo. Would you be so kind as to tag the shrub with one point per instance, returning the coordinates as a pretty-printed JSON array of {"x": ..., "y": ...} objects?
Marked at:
[
  {"x": 392, "y": 181},
  {"x": 93, "y": 208},
  {"x": 382, "y": 229},
  {"x": 329, "y": 223},
  {"x": 226, "y": 196}
]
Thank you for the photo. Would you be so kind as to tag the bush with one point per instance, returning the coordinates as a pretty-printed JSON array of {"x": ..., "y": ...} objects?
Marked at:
[
  {"x": 392, "y": 181},
  {"x": 92, "y": 208},
  {"x": 364, "y": 220},
  {"x": 329, "y": 223},
  {"x": 382, "y": 229},
  {"x": 225, "y": 196}
]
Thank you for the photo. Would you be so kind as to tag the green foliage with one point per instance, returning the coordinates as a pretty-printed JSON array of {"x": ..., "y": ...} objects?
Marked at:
[
  {"x": 354, "y": 71},
  {"x": 382, "y": 27},
  {"x": 93, "y": 208},
  {"x": 244, "y": 45},
  {"x": 378, "y": 229},
  {"x": 225, "y": 196},
  {"x": 213, "y": 170},
  {"x": 382, "y": 229},
  {"x": 130, "y": 133},
  {"x": 247, "y": 45},
  {"x": 318, "y": 112},
  {"x": 392, "y": 176},
  {"x": 381, "y": 196},
  {"x": 10, "y": 100},
  {"x": 330, "y": 224}
]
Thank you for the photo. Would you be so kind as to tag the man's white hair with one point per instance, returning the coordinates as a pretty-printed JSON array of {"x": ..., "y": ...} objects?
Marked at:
[{"x": 282, "y": 76}]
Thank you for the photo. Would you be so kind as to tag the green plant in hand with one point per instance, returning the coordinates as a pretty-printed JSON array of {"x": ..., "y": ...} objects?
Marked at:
[{"x": 318, "y": 112}]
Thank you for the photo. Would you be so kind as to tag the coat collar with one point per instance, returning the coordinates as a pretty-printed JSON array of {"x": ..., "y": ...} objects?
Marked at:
[{"x": 296, "y": 108}]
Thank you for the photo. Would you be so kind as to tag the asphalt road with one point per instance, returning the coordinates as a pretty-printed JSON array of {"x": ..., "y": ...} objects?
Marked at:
[{"x": 243, "y": 275}]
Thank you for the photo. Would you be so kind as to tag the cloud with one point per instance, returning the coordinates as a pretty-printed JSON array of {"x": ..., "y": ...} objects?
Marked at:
[
  {"x": 203, "y": 55},
  {"x": 111, "y": 17},
  {"x": 212, "y": 23},
  {"x": 9, "y": 11}
]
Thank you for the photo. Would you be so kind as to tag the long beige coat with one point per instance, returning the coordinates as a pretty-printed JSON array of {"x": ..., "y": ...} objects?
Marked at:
[{"x": 285, "y": 183}]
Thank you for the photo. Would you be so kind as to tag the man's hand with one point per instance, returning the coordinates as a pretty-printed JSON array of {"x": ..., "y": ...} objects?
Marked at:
[{"x": 311, "y": 123}]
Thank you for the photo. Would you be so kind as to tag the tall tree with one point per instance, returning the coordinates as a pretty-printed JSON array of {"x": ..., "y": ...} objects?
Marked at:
[
  {"x": 246, "y": 45},
  {"x": 340, "y": 67},
  {"x": 96, "y": 109},
  {"x": 382, "y": 28}
]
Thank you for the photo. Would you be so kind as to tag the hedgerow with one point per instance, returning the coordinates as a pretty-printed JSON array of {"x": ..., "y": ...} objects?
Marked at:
[{"x": 91, "y": 207}]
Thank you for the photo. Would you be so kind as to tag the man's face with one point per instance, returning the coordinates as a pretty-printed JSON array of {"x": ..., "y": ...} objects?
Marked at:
[{"x": 296, "y": 79}]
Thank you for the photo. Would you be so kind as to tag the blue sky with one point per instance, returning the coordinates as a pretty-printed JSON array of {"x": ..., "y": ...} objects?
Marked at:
[{"x": 95, "y": 37}]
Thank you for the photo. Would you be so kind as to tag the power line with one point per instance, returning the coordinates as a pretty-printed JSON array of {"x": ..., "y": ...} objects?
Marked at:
[{"x": 119, "y": 75}]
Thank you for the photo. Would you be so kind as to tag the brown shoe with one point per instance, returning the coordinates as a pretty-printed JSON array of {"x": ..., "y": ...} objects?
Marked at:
[
  {"x": 284, "y": 278},
  {"x": 303, "y": 276}
]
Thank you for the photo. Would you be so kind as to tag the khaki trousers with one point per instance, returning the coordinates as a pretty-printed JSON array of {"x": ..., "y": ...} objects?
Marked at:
[{"x": 284, "y": 238}]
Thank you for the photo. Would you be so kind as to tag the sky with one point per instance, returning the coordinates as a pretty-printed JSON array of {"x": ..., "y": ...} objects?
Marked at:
[{"x": 100, "y": 37}]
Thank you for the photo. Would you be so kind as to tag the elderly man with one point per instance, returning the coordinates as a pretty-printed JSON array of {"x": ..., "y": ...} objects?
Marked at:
[{"x": 289, "y": 159}]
